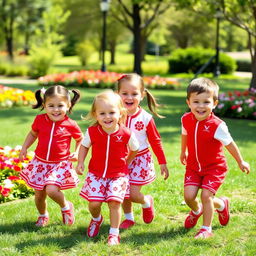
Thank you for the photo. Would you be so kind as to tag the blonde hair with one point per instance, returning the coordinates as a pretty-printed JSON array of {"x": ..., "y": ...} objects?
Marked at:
[
  {"x": 138, "y": 81},
  {"x": 201, "y": 85},
  {"x": 108, "y": 96}
]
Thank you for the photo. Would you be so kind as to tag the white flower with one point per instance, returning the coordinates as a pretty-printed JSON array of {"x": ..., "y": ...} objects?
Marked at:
[
  {"x": 239, "y": 110},
  {"x": 8, "y": 183},
  {"x": 18, "y": 147}
]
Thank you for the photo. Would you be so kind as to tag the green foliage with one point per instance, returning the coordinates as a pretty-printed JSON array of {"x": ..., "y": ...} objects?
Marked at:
[
  {"x": 42, "y": 59},
  {"x": 84, "y": 51},
  {"x": 190, "y": 60},
  {"x": 9, "y": 69}
]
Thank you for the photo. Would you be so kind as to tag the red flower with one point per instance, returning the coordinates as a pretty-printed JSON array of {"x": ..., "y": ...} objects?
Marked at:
[
  {"x": 16, "y": 168},
  {"x": 13, "y": 178},
  {"x": 5, "y": 192}
]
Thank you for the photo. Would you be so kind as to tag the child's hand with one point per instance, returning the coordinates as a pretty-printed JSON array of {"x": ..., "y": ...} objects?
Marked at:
[
  {"x": 23, "y": 154},
  {"x": 80, "y": 168},
  {"x": 245, "y": 167},
  {"x": 164, "y": 171},
  {"x": 183, "y": 158},
  {"x": 73, "y": 157}
]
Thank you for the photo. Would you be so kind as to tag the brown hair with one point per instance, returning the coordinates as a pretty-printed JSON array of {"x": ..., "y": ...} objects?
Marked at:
[
  {"x": 201, "y": 85},
  {"x": 110, "y": 97},
  {"x": 138, "y": 80},
  {"x": 56, "y": 90}
]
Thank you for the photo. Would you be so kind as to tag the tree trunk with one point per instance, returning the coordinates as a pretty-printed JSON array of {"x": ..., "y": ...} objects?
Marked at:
[
  {"x": 9, "y": 46},
  {"x": 137, "y": 38},
  {"x": 253, "y": 80},
  {"x": 143, "y": 43},
  {"x": 26, "y": 43},
  {"x": 112, "y": 44}
]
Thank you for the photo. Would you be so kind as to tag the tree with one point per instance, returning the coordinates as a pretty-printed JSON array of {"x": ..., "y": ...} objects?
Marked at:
[
  {"x": 139, "y": 17},
  {"x": 241, "y": 13}
]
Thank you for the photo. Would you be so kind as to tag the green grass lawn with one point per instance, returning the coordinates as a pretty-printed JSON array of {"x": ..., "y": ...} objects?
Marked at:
[{"x": 166, "y": 235}]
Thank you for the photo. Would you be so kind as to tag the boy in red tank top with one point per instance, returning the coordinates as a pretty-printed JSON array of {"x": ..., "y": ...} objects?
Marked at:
[{"x": 202, "y": 140}]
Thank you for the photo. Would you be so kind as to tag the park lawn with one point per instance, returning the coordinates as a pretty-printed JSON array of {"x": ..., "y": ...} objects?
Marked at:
[{"x": 166, "y": 235}]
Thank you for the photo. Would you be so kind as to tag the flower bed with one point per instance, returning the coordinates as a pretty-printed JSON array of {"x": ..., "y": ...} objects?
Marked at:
[
  {"x": 99, "y": 79},
  {"x": 15, "y": 97},
  {"x": 237, "y": 104},
  {"x": 11, "y": 186}
]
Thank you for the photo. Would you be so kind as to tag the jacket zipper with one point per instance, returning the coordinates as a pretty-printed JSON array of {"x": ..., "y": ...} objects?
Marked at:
[
  {"x": 107, "y": 154},
  {"x": 197, "y": 123},
  {"x": 50, "y": 142}
]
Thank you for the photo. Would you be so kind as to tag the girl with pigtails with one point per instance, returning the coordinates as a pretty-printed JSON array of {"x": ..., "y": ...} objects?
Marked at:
[
  {"x": 141, "y": 170},
  {"x": 51, "y": 169}
]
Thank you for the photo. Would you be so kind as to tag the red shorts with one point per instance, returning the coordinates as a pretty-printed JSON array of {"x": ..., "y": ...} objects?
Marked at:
[{"x": 210, "y": 179}]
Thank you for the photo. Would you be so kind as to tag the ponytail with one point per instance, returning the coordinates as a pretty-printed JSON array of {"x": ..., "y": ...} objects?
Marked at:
[
  {"x": 39, "y": 99},
  {"x": 152, "y": 103},
  {"x": 75, "y": 99}
]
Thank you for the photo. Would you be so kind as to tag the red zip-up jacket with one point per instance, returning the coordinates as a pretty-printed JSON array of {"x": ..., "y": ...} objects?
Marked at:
[{"x": 204, "y": 151}]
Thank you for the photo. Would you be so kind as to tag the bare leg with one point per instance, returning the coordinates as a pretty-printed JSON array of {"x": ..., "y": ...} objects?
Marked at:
[
  {"x": 208, "y": 206},
  {"x": 217, "y": 202},
  {"x": 40, "y": 201},
  {"x": 135, "y": 195},
  {"x": 56, "y": 195},
  {"x": 190, "y": 193},
  {"x": 115, "y": 214},
  {"x": 95, "y": 209}
]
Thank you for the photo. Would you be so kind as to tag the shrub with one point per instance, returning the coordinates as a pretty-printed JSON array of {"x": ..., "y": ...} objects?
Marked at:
[
  {"x": 243, "y": 65},
  {"x": 8, "y": 69},
  {"x": 190, "y": 60},
  {"x": 42, "y": 59},
  {"x": 84, "y": 51}
]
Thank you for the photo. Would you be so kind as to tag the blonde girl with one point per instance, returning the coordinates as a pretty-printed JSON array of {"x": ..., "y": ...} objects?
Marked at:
[
  {"x": 141, "y": 170},
  {"x": 107, "y": 178},
  {"x": 51, "y": 171}
]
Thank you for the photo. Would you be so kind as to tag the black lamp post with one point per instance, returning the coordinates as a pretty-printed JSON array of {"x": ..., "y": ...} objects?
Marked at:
[
  {"x": 218, "y": 17},
  {"x": 104, "y": 6}
]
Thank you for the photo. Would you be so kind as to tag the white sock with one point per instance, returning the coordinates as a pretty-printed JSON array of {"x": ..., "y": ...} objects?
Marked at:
[
  {"x": 114, "y": 231},
  {"x": 44, "y": 215},
  {"x": 66, "y": 208},
  {"x": 129, "y": 216},
  {"x": 97, "y": 219},
  {"x": 222, "y": 206},
  {"x": 198, "y": 211},
  {"x": 147, "y": 202},
  {"x": 209, "y": 229}
]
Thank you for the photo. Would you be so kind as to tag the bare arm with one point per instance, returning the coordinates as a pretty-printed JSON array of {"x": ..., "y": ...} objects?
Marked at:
[
  {"x": 30, "y": 139},
  {"x": 83, "y": 151},
  {"x": 183, "y": 154},
  {"x": 234, "y": 151},
  {"x": 74, "y": 155},
  {"x": 131, "y": 156}
]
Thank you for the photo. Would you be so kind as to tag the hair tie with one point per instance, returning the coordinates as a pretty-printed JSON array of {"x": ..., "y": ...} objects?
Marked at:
[
  {"x": 43, "y": 90},
  {"x": 121, "y": 77}
]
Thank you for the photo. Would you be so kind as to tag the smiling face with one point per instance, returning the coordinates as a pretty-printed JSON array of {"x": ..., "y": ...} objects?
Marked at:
[
  {"x": 131, "y": 96},
  {"x": 108, "y": 115},
  {"x": 201, "y": 105},
  {"x": 56, "y": 108}
]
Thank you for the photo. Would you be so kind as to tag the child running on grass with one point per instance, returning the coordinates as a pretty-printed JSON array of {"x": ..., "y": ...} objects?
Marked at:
[
  {"x": 51, "y": 170},
  {"x": 202, "y": 140},
  {"x": 142, "y": 172},
  {"x": 107, "y": 178}
]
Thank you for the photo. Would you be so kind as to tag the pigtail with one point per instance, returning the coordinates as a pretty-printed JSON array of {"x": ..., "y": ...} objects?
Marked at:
[
  {"x": 75, "y": 99},
  {"x": 39, "y": 100},
  {"x": 152, "y": 103}
]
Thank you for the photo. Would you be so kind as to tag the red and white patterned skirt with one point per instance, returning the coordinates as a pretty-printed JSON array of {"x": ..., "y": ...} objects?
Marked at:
[
  {"x": 141, "y": 169},
  {"x": 39, "y": 174}
]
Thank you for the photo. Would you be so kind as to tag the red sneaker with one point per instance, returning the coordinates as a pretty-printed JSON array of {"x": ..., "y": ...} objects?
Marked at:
[
  {"x": 113, "y": 239},
  {"x": 203, "y": 233},
  {"x": 149, "y": 213},
  {"x": 68, "y": 217},
  {"x": 42, "y": 221},
  {"x": 224, "y": 215},
  {"x": 192, "y": 219},
  {"x": 94, "y": 227},
  {"x": 127, "y": 224}
]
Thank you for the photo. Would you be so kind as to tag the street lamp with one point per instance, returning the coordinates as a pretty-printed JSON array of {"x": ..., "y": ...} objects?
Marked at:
[
  {"x": 104, "y": 6},
  {"x": 218, "y": 16}
]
